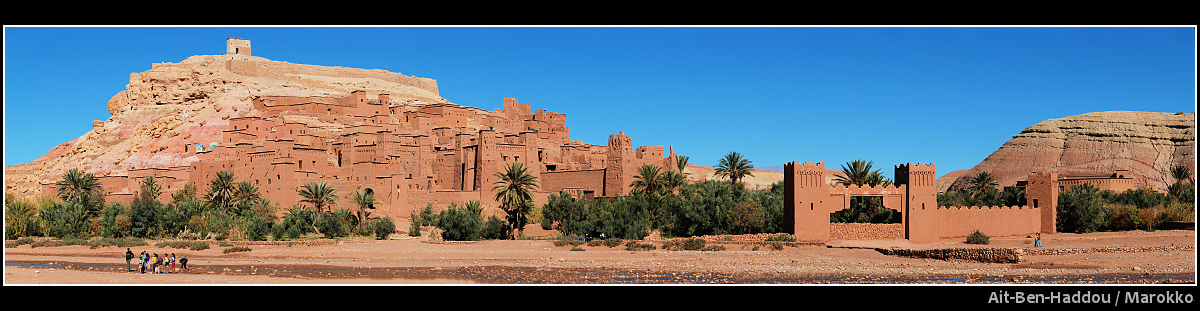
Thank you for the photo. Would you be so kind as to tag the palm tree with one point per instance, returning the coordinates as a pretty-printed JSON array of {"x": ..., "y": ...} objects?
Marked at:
[
  {"x": 244, "y": 196},
  {"x": 681, "y": 164},
  {"x": 1180, "y": 173},
  {"x": 648, "y": 180},
  {"x": 221, "y": 190},
  {"x": 150, "y": 187},
  {"x": 364, "y": 200},
  {"x": 514, "y": 192},
  {"x": 84, "y": 188},
  {"x": 858, "y": 173},
  {"x": 188, "y": 192},
  {"x": 474, "y": 206},
  {"x": 735, "y": 167},
  {"x": 319, "y": 194},
  {"x": 981, "y": 183},
  {"x": 672, "y": 180}
]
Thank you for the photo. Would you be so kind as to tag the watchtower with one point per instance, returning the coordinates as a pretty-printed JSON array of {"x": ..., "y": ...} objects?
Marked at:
[{"x": 235, "y": 46}]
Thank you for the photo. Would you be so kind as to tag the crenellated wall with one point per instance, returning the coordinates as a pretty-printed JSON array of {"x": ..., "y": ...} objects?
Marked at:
[{"x": 809, "y": 201}]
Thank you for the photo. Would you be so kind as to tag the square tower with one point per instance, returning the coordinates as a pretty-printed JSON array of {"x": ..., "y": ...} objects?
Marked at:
[{"x": 235, "y": 46}]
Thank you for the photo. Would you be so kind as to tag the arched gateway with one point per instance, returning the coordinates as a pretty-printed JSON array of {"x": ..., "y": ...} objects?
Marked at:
[{"x": 809, "y": 201}]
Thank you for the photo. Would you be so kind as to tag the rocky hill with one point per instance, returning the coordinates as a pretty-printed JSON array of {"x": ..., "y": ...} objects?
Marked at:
[
  {"x": 1147, "y": 144},
  {"x": 163, "y": 109}
]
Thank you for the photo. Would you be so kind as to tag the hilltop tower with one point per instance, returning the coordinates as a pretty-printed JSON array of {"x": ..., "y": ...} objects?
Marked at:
[{"x": 235, "y": 46}]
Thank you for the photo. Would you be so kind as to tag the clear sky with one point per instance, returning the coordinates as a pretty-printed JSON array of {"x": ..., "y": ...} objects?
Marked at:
[{"x": 892, "y": 95}]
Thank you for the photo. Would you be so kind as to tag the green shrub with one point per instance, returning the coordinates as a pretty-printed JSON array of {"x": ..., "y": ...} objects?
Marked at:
[
  {"x": 978, "y": 238},
  {"x": 459, "y": 224},
  {"x": 119, "y": 242},
  {"x": 782, "y": 238},
  {"x": 494, "y": 228},
  {"x": 332, "y": 224},
  {"x": 633, "y": 245},
  {"x": 1082, "y": 209},
  {"x": 576, "y": 249},
  {"x": 414, "y": 227},
  {"x": 236, "y": 249},
  {"x": 568, "y": 240},
  {"x": 192, "y": 245},
  {"x": 1126, "y": 218},
  {"x": 384, "y": 226},
  {"x": 428, "y": 218},
  {"x": 692, "y": 244},
  {"x": 257, "y": 228},
  {"x": 613, "y": 242},
  {"x": 595, "y": 243},
  {"x": 775, "y": 245},
  {"x": 713, "y": 248}
]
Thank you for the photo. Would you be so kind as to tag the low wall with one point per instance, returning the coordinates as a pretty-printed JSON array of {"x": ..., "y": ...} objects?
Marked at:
[
  {"x": 860, "y": 231},
  {"x": 956, "y": 221},
  {"x": 991, "y": 255}
]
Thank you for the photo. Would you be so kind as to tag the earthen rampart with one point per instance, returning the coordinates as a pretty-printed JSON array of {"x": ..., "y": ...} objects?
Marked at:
[{"x": 809, "y": 201}]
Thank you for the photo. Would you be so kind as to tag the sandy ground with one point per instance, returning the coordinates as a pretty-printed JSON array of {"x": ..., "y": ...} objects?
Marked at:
[{"x": 416, "y": 261}]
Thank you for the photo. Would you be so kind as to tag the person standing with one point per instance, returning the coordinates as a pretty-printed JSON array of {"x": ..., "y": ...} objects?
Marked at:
[
  {"x": 154, "y": 263},
  {"x": 142, "y": 263},
  {"x": 128, "y": 257},
  {"x": 1037, "y": 240},
  {"x": 172, "y": 261}
]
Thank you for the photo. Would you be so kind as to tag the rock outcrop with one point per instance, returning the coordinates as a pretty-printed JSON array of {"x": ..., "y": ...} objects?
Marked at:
[
  {"x": 163, "y": 109},
  {"x": 1147, "y": 144}
]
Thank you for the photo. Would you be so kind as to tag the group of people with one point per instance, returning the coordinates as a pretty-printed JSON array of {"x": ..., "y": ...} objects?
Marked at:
[{"x": 155, "y": 263}]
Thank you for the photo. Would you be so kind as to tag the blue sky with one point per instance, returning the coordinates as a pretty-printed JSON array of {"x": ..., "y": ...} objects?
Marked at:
[{"x": 892, "y": 95}]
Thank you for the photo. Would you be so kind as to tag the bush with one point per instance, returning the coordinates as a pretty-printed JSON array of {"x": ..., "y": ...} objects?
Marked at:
[
  {"x": 459, "y": 224},
  {"x": 568, "y": 240},
  {"x": 692, "y": 244},
  {"x": 978, "y": 238},
  {"x": 384, "y": 226},
  {"x": 613, "y": 242},
  {"x": 494, "y": 228},
  {"x": 713, "y": 248},
  {"x": 1126, "y": 218},
  {"x": 257, "y": 228},
  {"x": 119, "y": 242},
  {"x": 192, "y": 245},
  {"x": 414, "y": 227},
  {"x": 331, "y": 224},
  {"x": 1081, "y": 209},
  {"x": 635, "y": 246},
  {"x": 576, "y": 249},
  {"x": 236, "y": 249},
  {"x": 782, "y": 238}
]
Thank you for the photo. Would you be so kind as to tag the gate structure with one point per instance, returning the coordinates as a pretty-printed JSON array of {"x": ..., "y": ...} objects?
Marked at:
[{"x": 809, "y": 201}]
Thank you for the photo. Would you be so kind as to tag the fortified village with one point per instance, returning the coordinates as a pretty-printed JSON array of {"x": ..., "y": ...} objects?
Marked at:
[
  {"x": 406, "y": 155},
  {"x": 409, "y": 153}
]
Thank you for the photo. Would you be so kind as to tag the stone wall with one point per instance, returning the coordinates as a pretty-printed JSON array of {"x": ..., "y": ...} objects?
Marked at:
[
  {"x": 855, "y": 231},
  {"x": 991, "y": 255}
]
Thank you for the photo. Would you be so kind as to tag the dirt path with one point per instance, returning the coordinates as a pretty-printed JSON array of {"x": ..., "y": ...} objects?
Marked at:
[{"x": 1133, "y": 257}]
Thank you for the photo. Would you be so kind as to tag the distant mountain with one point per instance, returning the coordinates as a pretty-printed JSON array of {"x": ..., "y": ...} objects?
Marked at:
[
  {"x": 1147, "y": 144},
  {"x": 773, "y": 168}
]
